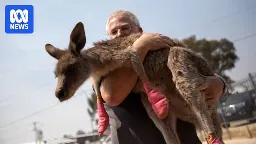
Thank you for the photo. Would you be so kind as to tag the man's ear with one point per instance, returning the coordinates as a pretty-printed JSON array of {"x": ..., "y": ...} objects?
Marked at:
[
  {"x": 53, "y": 51},
  {"x": 140, "y": 30},
  {"x": 77, "y": 38}
]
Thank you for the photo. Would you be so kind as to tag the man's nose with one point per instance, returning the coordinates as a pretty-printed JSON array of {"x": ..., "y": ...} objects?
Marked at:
[{"x": 120, "y": 33}]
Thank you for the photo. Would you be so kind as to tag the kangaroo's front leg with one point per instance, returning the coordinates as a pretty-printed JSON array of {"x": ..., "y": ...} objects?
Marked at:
[
  {"x": 103, "y": 115},
  {"x": 158, "y": 100}
]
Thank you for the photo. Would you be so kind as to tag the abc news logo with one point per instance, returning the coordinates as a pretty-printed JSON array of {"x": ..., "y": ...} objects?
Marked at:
[
  {"x": 16, "y": 22},
  {"x": 19, "y": 19}
]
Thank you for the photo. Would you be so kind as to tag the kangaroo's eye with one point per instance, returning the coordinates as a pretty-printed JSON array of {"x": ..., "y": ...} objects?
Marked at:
[{"x": 70, "y": 69}]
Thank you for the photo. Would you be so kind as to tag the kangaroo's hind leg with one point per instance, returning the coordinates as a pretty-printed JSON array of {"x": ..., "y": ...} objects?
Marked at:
[
  {"x": 212, "y": 110},
  {"x": 217, "y": 124},
  {"x": 182, "y": 63}
]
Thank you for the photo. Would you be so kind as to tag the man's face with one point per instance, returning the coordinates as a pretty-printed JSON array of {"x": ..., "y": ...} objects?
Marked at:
[{"x": 120, "y": 26}]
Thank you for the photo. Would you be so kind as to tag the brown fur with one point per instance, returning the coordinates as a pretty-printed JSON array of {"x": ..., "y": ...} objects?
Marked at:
[{"x": 177, "y": 71}]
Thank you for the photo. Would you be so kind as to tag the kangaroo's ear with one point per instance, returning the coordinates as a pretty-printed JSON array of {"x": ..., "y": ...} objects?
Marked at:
[
  {"x": 53, "y": 51},
  {"x": 77, "y": 38}
]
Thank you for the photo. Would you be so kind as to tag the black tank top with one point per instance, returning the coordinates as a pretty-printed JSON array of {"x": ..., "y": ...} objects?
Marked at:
[{"x": 130, "y": 123}]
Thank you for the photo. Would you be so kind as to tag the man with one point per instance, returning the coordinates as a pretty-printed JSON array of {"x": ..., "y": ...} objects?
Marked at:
[{"x": 129, "y": 122}]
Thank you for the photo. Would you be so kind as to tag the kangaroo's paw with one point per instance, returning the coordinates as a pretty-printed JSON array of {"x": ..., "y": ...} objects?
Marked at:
[
  {"x": 217, "y": 141},
  {"x": 103, "y": 119},
  {"x": 160, "y": 103},
  {"x": 213, "y": 139}
]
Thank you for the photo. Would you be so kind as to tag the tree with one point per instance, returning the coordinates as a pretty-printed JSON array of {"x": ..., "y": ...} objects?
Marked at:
[
  {"x": 221, "y": 54},
  {"x": 92, "y": 110}
]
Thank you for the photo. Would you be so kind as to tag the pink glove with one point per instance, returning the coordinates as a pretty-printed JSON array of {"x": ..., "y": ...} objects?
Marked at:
[{"x": 160, "y": 103}]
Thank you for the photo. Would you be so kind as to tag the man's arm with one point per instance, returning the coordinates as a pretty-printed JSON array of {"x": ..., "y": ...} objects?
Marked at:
[
  {"x": 117, "y": 85},
  {"x": 216, "y": 87}
]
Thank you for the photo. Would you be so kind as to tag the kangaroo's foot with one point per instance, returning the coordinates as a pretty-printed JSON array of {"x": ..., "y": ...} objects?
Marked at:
[
  {"x": 160, "y": 103},
  {"x": 103, "y": 119},
  {"x": 213, "y": 139}
]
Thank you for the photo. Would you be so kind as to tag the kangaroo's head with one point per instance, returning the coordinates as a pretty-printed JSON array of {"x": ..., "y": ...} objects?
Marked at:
[{"x": 72, "y": 69}]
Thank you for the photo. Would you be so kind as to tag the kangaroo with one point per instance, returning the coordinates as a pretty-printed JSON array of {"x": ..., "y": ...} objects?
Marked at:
[{"x": 169, "y": 81}]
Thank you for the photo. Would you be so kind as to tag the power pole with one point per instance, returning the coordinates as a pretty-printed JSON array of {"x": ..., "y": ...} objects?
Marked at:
[
  {"x": 38, "y": 133},
  {"x": 35, "y": 129}
]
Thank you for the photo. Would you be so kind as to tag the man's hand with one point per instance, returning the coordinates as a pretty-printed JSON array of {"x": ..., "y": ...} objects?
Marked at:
[
  {"x": 152, "y": 41},
  {"x": 213, "y": 89}
]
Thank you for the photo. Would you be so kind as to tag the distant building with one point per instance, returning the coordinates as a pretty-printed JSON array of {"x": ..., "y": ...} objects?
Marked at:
[
  {"x": 81, "y": 138},
  {"x": 92, "y": 138}
]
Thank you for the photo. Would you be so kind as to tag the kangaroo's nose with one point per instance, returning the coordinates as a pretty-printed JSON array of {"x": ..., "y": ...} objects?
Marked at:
[{"x": 60, "y": 94}]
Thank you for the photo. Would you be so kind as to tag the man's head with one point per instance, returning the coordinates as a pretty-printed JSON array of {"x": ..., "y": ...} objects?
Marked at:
[{"x": 122, "y": 23}]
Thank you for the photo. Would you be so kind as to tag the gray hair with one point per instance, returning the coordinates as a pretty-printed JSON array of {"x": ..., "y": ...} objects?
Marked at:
[{"x": 132, "y": 17}]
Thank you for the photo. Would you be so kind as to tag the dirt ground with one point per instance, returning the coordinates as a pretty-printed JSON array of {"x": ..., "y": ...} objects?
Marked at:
[
  {"x": 240, "y": 135},
  {"x": 239, "y": 141}
]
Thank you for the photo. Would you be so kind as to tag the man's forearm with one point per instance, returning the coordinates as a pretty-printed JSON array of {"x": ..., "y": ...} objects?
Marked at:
[{"x": 118, "y": 84}]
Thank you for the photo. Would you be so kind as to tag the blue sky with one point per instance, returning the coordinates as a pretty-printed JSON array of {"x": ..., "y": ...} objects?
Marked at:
[{"x": 27, "y": 81}]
